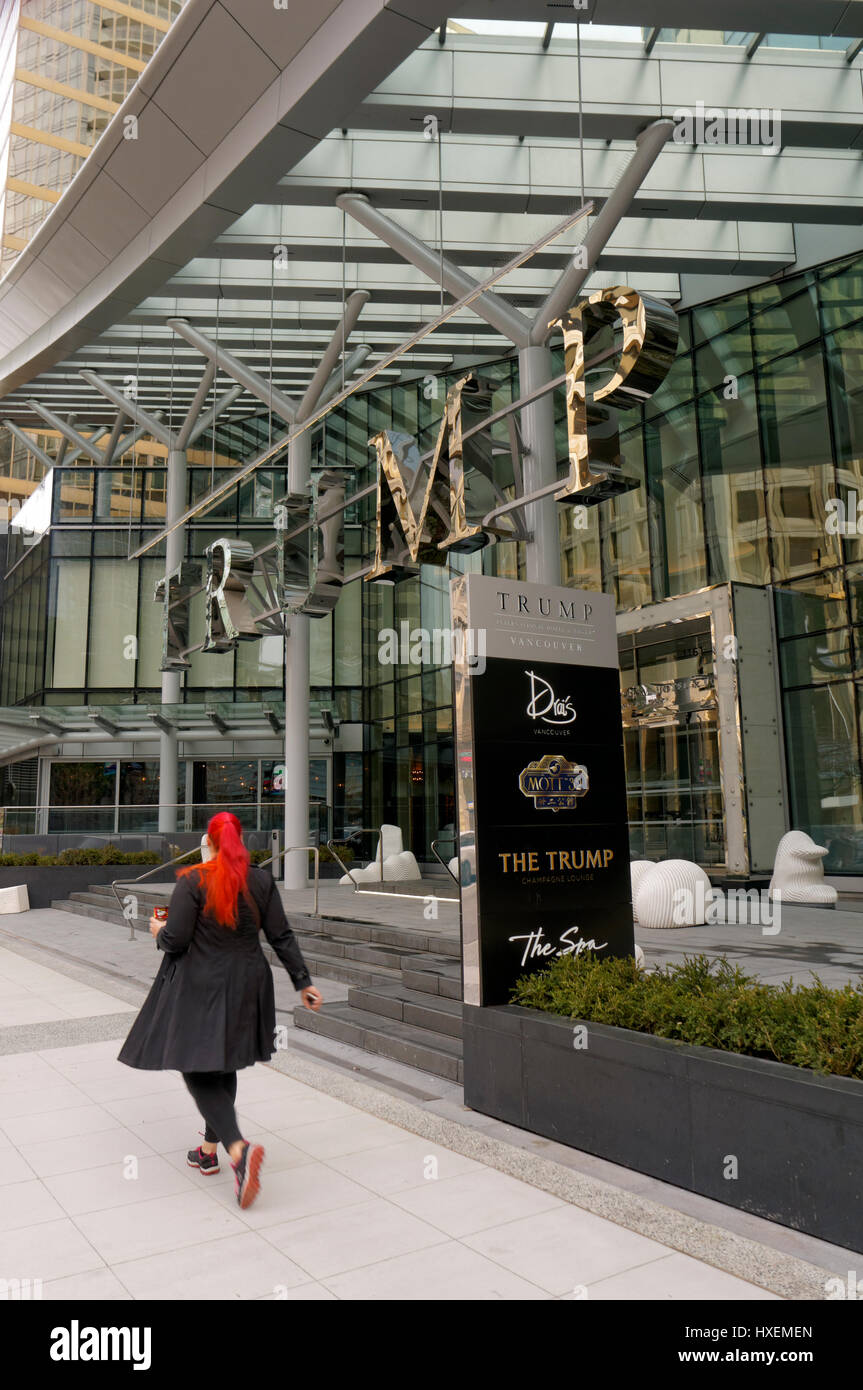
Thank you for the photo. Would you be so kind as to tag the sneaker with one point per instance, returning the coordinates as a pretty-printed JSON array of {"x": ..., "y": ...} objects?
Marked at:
[
  {"x": 246, "y": 1174},
  {"x": 207, "y": 1163}
]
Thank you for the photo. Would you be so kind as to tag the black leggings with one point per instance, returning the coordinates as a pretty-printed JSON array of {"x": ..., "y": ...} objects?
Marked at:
[{"x": 214, "y": 1093}]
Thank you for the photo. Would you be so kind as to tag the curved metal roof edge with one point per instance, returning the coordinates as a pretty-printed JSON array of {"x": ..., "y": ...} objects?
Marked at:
[{"x": 344, "y": 47}]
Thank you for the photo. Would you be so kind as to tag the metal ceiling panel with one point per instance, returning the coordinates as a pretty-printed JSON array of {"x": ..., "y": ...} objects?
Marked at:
[
  {"x": 72, "y": 257},
  {"x": 110, "y": 220},
  {"x": 219, "y": 75},
  {"x": 151, "y": 168},
  {"x": 282, "y": 32}
]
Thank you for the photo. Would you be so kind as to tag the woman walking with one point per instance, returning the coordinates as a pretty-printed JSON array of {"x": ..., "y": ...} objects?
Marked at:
[{"x": 211, "y": 1010}]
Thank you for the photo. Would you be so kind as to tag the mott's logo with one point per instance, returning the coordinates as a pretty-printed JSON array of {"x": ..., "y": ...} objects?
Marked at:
[{"x": 553, "y": 783}]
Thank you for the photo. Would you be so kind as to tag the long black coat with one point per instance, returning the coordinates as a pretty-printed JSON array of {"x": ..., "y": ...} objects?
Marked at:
[{"x": 211, "y": 1006}]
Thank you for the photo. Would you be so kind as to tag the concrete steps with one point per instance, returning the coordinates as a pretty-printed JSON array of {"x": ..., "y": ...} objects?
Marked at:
[
  {"x": 404, "y": 1000},
  {"x": 409, "y": 1043},
  {"x": 416, "y": 1020},
  {"x": 410, "y": 1006}
]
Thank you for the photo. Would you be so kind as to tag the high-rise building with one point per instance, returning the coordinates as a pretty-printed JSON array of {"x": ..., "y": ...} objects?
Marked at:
[
  {"x": 285, "y": 169},
  {"x": 65, "y": 67}
]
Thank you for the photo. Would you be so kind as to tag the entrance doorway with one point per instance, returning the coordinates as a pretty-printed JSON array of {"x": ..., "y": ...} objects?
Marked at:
[{"x": 671, "y": 743}]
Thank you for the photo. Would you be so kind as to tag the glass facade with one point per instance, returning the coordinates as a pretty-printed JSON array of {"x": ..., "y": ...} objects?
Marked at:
[
  {"x": 671, "y": 744},
  {"x": 739, "y": 460},
  {"x": 75, "y": 61}
]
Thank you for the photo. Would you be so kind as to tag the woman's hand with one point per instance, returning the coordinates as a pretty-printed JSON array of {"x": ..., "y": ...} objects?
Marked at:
[
  {"x": 312, "y": 998},
  {"x": 156, "y": 925}
]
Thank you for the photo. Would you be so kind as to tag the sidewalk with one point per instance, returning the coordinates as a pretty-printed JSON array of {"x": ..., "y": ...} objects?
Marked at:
[{"x": 98, "y": 1203}]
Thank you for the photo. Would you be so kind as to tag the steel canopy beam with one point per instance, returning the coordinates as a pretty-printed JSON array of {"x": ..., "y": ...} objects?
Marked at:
[
  {"x": 64, "y": 443},
  {"x": 648, "y": 146},
  {"x": 256, "y": 385},
  {"x": 216, "y": 719},
  {"x": 105, "y": 723},
  {"x": 132, "y": 438},
  {"x": 17, "y": 433},
  {"x": 354, "y": 306},
  {"x": 273, "y": 720},
  {"x": 50, "y": 725},
  {"x": 85, "y": 446},
  {"x": 210, "y": 416},
  {"x": 271, "y": 453},
  {"x": 198, "y": 402},
  {"x": 131, "y": 408},
  {"x": 491, "y": 307},
  {"x": 98, "y": 456},
  {"x": 352, "y": 362},
  {"x": 113, "y": 438}
]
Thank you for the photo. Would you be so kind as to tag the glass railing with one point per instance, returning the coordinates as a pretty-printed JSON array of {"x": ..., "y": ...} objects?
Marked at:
[{"x": 102, "y": 823}]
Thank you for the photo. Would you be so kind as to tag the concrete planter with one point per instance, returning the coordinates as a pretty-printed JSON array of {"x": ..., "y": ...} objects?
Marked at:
[
  {"x": 54, "y": 882},
  {"x": 680, "y": 1113}
]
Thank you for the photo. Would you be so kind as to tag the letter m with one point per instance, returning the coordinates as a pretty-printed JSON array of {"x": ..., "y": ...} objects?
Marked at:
[
  {"x": 441, "y": 523},
  {"x": 116, "y": 1343}
]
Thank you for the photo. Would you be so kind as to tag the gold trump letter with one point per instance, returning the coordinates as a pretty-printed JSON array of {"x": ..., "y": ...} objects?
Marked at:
[
  {"x": 649, "y": 345},
  {"x": 442, "y": 524}
]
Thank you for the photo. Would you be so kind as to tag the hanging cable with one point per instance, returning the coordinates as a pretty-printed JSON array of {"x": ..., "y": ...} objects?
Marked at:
[
  {"x": 440, "y": 208},
  {"x": 344, "y": 290},
  {"x": 110, "y": 475},
  {"x": 215, "y": 380},
  {"x": 272, "y": 331},
  {"x": 580, "y": 113},
  {"x": 171, "y": 391}
]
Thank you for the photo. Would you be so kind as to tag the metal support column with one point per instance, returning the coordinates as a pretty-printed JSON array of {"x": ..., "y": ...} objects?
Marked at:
[
  {"x": 297, "y": 637},
  {"x": 298, "y": 634},
  {"x": 174, "y": 553},
  {"x": 542, "y": 554}
]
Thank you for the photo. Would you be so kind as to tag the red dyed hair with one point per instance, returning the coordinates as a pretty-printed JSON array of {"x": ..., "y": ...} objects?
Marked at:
[{"x": 225, "y": 876}]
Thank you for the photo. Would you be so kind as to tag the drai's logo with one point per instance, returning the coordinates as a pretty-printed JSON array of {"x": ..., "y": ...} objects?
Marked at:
[
  {"x": 553, "y": 783},
  {"x": 545, "y": 705}
]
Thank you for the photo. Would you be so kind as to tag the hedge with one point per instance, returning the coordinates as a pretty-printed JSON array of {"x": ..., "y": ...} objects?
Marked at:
[
  {"x": 710, "y": 1004},
  {"x": 107, "y": 854}
]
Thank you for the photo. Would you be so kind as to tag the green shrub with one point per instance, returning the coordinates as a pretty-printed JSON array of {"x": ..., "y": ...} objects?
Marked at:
[
  {"x": 106, "y": 854},
  {"x": 711, "y": 1004}
]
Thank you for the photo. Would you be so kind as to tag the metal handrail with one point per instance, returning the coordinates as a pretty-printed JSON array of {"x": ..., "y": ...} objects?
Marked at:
[
  {"x": 128, "y": 882},
  {"x": 282, "y": 852},
  {"x": 434, "y": 845},
  {"x": 363, "y": 830}
]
